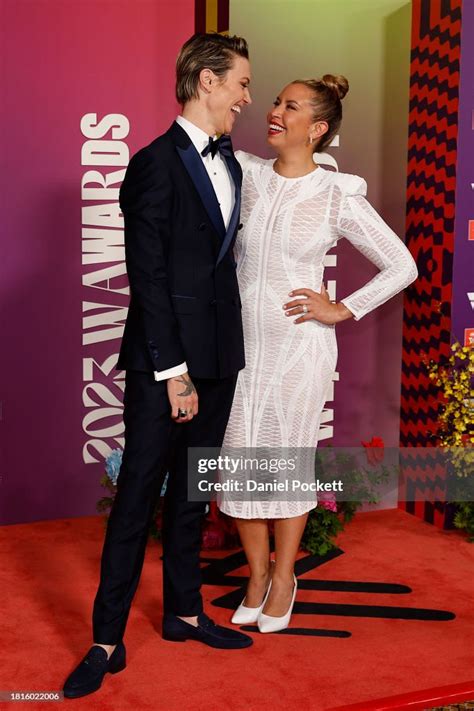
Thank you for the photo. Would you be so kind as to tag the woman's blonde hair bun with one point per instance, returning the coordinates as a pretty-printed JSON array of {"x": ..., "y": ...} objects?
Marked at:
[{"x": 337, "y": 83}]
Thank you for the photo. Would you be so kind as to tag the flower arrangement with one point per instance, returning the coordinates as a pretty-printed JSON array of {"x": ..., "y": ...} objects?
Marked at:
[
  {"x": 218, "y": 531},
  {"x": 109, "y": 481},
  {"x": 328, "y": 519},
  {"x": 454, "y": 378},
  {"x": 324, "y": 523},
  {"x": 455, "y": 431}
]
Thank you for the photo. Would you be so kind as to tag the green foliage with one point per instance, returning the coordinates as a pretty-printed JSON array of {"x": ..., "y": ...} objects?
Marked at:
[
  {"x": 323, "y": 524},
  {"x": 320, "y": 531},
  {"x": 464, "y": 518}
]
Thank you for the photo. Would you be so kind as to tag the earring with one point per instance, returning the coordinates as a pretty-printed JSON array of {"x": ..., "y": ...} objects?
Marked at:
[{"x": 310, "y": 140}]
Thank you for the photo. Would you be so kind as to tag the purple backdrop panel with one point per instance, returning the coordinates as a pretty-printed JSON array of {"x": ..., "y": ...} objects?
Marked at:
[{"x": 86, "y": 85}]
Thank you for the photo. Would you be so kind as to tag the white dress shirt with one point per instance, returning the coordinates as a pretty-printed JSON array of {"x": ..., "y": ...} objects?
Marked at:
[{"x": 223, "y": 185}]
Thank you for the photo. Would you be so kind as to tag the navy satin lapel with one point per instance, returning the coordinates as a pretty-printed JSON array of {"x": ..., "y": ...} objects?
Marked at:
[
  {"x": 234, "y": 218},
  {"x": 198, "y": 174}
]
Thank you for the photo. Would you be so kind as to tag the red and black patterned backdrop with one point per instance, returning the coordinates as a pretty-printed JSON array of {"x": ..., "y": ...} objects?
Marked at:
[{"x": 431, "y": 184}]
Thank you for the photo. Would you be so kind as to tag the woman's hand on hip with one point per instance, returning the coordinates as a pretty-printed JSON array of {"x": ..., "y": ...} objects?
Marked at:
[{"x": 314, "y": 306}]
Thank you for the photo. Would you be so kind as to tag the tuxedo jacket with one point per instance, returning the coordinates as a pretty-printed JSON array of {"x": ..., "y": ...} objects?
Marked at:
[{"x": 184, "y": 295}]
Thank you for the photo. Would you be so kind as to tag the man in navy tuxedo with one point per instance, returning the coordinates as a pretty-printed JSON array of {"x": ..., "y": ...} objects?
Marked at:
[{"x": 182, "y": 349}]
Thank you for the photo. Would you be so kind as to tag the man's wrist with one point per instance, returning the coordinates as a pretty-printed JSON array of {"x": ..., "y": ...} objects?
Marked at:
[{"x": 178, "y": 376}]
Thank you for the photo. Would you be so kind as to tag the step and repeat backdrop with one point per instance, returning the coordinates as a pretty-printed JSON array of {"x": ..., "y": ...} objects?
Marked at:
[{"x": 89, "y": 83}]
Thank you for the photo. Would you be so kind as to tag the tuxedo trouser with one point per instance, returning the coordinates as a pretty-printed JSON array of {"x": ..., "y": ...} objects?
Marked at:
[{"x": 154, "y": 444}]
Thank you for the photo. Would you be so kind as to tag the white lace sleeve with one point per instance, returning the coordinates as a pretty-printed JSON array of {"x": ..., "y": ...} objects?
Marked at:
[{"x": 366, "y": 230}]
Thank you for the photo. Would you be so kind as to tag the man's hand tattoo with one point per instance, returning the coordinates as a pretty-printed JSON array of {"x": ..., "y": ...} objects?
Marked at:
[{"x": 189, "y": 387}]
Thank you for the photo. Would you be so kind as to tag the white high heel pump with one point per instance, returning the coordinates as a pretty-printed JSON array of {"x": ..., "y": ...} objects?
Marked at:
[
  {"x": 269, "y": 623},
  {"x": 247, "y": 615}
]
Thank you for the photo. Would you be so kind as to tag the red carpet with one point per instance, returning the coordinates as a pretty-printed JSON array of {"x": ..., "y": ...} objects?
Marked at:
[{"x": 391, "y": 613}]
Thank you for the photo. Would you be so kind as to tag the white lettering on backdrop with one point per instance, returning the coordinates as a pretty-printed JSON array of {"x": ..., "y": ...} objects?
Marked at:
[
  {"x": 104, "y": 282},
  {"x": 326, "y": 426},
  {"x": 105, "y": 307}
]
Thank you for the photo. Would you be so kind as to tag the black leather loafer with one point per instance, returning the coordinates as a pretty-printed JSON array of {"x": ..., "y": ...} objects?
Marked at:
[
  {"x": 177, "y": 630},
  {"x": 87, "y": 677}
]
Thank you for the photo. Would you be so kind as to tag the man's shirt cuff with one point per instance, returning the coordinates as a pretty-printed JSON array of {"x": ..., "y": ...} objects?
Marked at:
[{"x": 171, "y": 372}]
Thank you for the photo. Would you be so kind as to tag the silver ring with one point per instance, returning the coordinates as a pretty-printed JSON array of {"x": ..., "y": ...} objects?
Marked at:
[
  {"x": 182, "y": 413},
  {"x": 305, "y": 308}
]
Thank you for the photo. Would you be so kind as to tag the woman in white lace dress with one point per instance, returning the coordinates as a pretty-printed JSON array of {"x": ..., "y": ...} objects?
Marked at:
[{"x": 293, "y": 213}]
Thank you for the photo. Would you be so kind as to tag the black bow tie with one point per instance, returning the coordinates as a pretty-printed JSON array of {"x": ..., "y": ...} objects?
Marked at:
[{"x": 223, "y": 144}]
